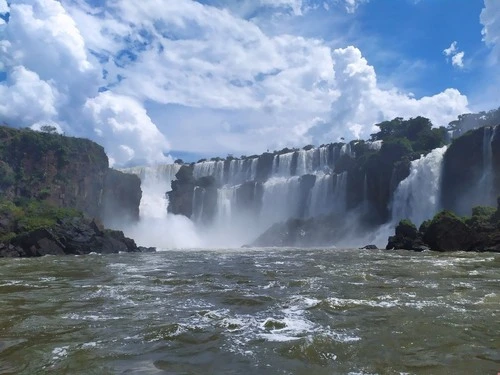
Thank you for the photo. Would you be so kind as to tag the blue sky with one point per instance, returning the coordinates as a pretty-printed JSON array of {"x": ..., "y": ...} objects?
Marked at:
[{"x": 203, "y": 78}]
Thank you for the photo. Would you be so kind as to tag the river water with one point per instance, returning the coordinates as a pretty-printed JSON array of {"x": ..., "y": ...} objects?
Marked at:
[{"x": 248, "y": 311}]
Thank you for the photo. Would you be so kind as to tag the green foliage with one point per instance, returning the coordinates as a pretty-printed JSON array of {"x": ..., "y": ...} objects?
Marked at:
[
  {"x": 308, "y": 147},
  {"x": 407, "y": 223},
  {"x": 394, "y": 149},
  {"x": 418, "y": 131},
  {"x": 446, "y": 214},
  {"x": 483, "y": 211},
  {"x": 7, "y": 175},
  {"x": 26, "y": 215},
  {"x": 406, "y": 228},
  {"x": 179, "y": 161},
  {"x": 424, "y": 226},
  {"x": 481, "y": 216}
]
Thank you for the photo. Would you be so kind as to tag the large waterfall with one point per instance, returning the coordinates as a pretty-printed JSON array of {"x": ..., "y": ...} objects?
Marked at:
[
  {"x": 244, "y": 197},
  {"x": 417, "y": 197}
]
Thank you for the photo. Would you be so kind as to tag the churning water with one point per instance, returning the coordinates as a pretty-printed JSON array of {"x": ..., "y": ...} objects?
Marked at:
[{"x": 265, "y": 311}]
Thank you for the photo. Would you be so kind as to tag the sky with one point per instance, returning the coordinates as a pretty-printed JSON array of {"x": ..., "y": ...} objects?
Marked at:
[{"x": 155, "y": 80}]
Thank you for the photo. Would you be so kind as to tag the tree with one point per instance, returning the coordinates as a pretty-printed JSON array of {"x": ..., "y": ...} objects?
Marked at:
[{"x": 48, "y": 129}]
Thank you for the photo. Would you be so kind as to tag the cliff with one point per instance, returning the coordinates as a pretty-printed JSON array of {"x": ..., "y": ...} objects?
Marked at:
[
  {"x": 65, "y": 171},
  {"x": 471, "y": 171}
]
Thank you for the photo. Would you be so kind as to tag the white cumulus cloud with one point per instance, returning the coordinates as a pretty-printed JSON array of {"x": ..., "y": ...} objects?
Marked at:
[
  {"x": 124, "y": 128},
  {"x": 362, "y": 102},
  {"x": 451, "y": 50},
  {"x": 457, "y": 56},
  {"x": 129, "y": 74},
  {"x": 26, "y": 98},
  {"x": 458, "y": 59}
]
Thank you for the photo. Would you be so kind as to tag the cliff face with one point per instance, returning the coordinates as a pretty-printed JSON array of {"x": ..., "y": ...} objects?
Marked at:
[
  {"x": 121, "y": 196},
  {"x": 471, "y": 171},
  {"x": 65, "y": 171}
]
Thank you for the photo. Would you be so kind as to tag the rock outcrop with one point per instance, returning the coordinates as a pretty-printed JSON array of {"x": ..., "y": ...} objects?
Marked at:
[
  {"x": 464, "y": 164},
  {"x": 449, "y": 232},
  {"x": 180, "y": 198},
  {"x": 121, "y": 196},
  {"x": 75, "y": 236},
  {"x": 65, "y": 171},
  {"x": 407, "y": 237}
]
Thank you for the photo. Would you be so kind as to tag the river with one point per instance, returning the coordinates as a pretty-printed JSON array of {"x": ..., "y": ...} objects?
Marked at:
[{"x": 252, "y": 311}]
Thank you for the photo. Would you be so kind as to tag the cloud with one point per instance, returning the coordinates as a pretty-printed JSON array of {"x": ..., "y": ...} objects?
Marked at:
[
  {"x": 458, "y": 60},
  {"x": 26, "y": 98},
  {"x": 124, "y": 119},
  {"x": 52, "y": 76},
  {"x": 352, "y": 5},
  {"x": 490, "y": 19},
  {"x": 294, "y": 5},
  {"x": 129, "y": 74},
  {"x": 4, "y": 7},
  {"x": 362, "y": 102},
  {"x": 451, "y": 50},
  {"x": 457, "y": 57}
]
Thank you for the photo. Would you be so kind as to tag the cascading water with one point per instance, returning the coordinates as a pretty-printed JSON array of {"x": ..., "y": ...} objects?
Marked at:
[
  {"x": 156, "y": 227},
  {"x": 300, "y": 183},
  {"x": 417, "y": 197},
  {"x": 155, "y": 182}
]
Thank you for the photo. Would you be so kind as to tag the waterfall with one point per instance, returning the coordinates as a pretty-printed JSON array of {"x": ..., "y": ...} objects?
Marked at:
[
  {"x": 295, "y": 184},
  {"x": 155, "y": 182},
  {"x": 417, "y": 197},
  {"x": 279, "y": 201},
  {"x": 156, "y": 227}
]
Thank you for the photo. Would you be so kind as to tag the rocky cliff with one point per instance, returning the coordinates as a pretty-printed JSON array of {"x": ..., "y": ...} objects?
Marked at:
[
  {"x": 65, "y": 171},
  {"x": 471, "y": 171}
]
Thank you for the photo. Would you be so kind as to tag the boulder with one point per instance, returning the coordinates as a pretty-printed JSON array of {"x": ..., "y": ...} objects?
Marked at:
[
  {"x": 407, "y": 237},
  {"x": 448, "y": 232}
]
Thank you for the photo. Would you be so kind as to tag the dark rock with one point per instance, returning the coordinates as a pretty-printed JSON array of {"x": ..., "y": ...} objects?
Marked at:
[
  {"x": 369, "y": 247},
  {"x": 264, "y": 166},
  {"x": 447, "y": 232},
  {"x": 406, "y": 228},
  {"x": 75, "y": 236},
  {"x": 463, "y": 168},
  {"x": 67, "y": 172},
  {"x": 143, "y": 249},
  {"x": 121, "y": 196},
  {"x": 180, "y": 198},
  {"x": 407, "y": 238}
]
